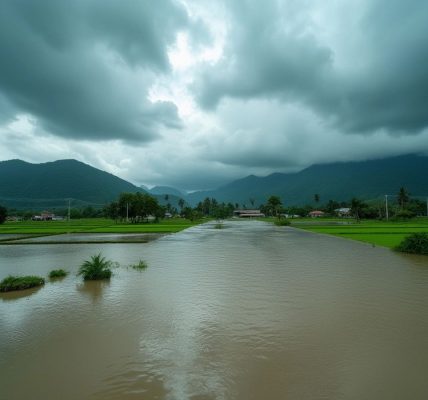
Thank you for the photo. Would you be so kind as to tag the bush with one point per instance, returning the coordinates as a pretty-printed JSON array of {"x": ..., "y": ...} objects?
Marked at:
[
  {"x": 141, "y": 265},
  {"x": 417, "y": 243},
  {"x": 57, "y": 273},
  {"x": 96, "y": 268},
  {"x": 282, "y": 222},
  {"x": 20, "y": 283},
  {"x": 404, "y": 215}
]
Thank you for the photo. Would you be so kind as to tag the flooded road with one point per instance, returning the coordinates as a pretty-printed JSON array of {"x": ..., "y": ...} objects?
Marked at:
[{"x": 252, "y": 311}]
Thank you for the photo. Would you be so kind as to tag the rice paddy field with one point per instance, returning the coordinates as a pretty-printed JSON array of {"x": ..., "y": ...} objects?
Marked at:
[
  {"x": 92, "y": 225},
  {"x": 379, "y": 233}
]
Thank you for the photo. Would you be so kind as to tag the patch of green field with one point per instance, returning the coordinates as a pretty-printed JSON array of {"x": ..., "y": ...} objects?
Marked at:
[
  {"x": 380, "y": 233},
  {"x": 93, "y": 225}
]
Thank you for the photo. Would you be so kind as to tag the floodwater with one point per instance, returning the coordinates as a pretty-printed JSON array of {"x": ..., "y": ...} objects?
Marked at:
[{"x": 252, "y": 311}]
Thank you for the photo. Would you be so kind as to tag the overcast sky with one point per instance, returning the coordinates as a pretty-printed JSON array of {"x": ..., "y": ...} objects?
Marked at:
[{"x": 195, "y": 93}]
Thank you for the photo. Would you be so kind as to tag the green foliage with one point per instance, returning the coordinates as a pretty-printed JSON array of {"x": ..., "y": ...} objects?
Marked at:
[
  {"x": 137, "y": 207},
  {"x": 20, "y": 283},
  {"x": 404, "y": 215},
  {"x": 140, "y": 266},
  {"x": 218, "y": 226},
  {"x": 3, "y": 214},
  {"x": 403, "y": 197},
  {"x": 274, "y": 205},
  {"x": 57, "y": 273},
  {"x": 416, "y": 243},
  {"x": 96, "y": 268},
  {"x": 282, "y": 222}
]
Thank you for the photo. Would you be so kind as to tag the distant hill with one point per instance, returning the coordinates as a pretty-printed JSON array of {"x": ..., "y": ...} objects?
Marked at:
[
  {"x": 48, "y": 185},
  {"x": 338, "y": 181},
  {"x": 163, "y": 190},
  {"x": 24, "y": 184}
]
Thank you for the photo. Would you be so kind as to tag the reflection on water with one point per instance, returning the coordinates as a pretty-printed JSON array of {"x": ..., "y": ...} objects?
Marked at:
[
  {"x": 93, "y": 289},
  {"x": 10, "y": 296},
  {"x": 253, "y": 311}
]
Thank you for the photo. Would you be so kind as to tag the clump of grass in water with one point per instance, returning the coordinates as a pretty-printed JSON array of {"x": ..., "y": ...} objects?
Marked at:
[
  {"x": 140, "y": 266},
  {"x": 96, "y": 268},
  {"x": 57, "y": 273},
  {"x": 417, "y": 243},
  {"x": 218, "y": 226},
  {"x": 20, "y": 283}
]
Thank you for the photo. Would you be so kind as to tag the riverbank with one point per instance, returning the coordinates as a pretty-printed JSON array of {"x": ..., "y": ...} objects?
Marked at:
[
  {"x": 380, "y": 233},
  {"x": 47, "y": 231}
]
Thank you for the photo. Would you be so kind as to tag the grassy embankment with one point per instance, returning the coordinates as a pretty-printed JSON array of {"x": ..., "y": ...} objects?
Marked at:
[
  {"x": 93, "y": 225},
  {"x": 380, "y": 233}
]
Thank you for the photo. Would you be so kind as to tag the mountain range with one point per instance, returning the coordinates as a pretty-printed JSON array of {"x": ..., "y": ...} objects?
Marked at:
[{"x": 26, "y": 185}]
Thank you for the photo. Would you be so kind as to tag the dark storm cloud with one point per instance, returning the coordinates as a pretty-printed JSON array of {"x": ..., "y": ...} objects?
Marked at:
[
  {"x": 83, "y": 68},
  {"x": 270, "y": 53}
]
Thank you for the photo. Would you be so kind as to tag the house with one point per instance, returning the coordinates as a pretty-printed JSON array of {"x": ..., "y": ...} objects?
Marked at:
[
  {"x": 44, "y": 216},
  {"x": 248, "y": 214},
  {"x": 316, "y": 214},
  {"x": 343, "y": 212}
]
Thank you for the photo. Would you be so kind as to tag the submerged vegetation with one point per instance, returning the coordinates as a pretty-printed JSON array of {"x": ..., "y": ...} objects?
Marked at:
[
  {"x": 416, "y": 243},
  {"x": 96, "y": 268},
  {"x": 57, "y": 273},
  {"x": 20, "y": 283},
  {"x": 140, "y": 266}
]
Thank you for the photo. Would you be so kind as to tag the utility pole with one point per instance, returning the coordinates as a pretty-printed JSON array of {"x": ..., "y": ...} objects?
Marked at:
[{"x": 386, "y": 207}]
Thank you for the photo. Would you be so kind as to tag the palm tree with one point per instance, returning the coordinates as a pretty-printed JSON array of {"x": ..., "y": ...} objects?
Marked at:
[
  {"x": 96, "y": 268},
  {"x": 181, "y": 204}
]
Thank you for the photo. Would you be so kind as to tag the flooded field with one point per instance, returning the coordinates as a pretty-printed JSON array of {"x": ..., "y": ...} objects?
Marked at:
[{"x": 251, "y": 311}]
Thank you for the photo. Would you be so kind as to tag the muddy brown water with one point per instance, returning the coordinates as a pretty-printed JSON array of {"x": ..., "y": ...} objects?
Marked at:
[{"x": 252, "y": 311}]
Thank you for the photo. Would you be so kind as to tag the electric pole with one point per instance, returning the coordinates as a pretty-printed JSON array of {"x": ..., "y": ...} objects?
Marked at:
[{"x": 386, "y": 207}]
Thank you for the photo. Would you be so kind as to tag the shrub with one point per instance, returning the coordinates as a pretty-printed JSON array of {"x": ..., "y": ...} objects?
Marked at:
[
  {"x": 282, "y": 222},
  {"x": 96, "y": 268},
  {"x": 57, "y": 273},
  {"x": 416, "y": 243},
  {"x": 20, "y": 283},
  {"x": 141, "y": 265},
  {"x": 404, "y": 215}
]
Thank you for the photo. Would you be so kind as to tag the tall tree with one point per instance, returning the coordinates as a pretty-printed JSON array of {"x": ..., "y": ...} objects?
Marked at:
[
  {"x": 403, "y": 197},
  {"x": 3, "y": 214},
  {"x": 317, "y": 198},
  {"x": 274, "y": 204},
  {"x": 357, "y": 208},
  {"x": 181, "y": 204}
]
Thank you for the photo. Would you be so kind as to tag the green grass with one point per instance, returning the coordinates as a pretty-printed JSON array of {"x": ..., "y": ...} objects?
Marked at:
[
  {"x": 282, "y": 222},
  {"x": 97, "y": 268},
  {"x": 380, "y": 233},
  {"x": 94, "y": 225},
  {"x": 140, "y": 266},
  {"x": 57, "y": 273},
  {"x": 20, "y": 283}
]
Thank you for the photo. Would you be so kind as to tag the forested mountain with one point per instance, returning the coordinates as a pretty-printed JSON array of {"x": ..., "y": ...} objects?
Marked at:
[
  {"x": 338, "y": 181},
  {"x": 51, "y": 183},
  {"x": 166, "y": 190}
]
